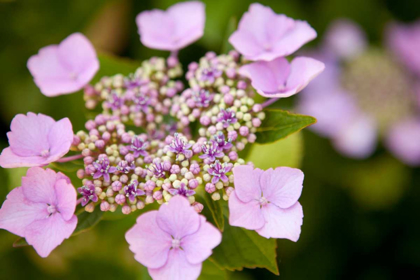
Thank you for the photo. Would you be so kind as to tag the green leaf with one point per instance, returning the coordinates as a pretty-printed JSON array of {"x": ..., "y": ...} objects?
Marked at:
[
  {"x": 244, "y": 248},
  {"x": 287, "y": 152},
  {"x": 86, "y": 220},
  {"x": 211, "y": 271},
  {"x": 111, "y": 65},
  {"x": 215, "y": 209},
  {"x": 279, "y": 124},
  {"x": 71, "y": 166}
]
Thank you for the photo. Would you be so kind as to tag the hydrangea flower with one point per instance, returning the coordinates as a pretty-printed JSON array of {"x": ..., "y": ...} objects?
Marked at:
[
  {"x": 41, "y": 210},
  {"x": 264, "y": 35},
  {"x": 278, "y": 78},
  {"x": 182, "y": 190},
  {"x": 267, "y": 201},
  {"x": 88, "y": 193},
  {"x": 138, "y": 146},
  {"x": 132, "y": 191},
  {"x": 367, "y": 97},
  {"x": 173, "y": 241},
  {"x": 64, "y": 68},
  {"x": 36, "y": 140},
  {"x": 218, "y": 171},
  {"x": 173, "y": 29},
  {"x": 103, "y": 168},
  {"x": 180, "y": 146}
]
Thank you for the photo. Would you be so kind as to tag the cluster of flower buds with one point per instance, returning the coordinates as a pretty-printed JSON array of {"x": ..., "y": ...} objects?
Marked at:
[{"x": 131, "y": 170}]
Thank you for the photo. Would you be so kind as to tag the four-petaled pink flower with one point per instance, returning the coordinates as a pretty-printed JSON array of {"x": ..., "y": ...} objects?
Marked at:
[
  {"x": 64, "y": 68},
  {"x": 174, "y": 241},
  {"x": 36, "y": 140},
  {"x": 278, "y": 78},
  {"x": 173, "y": 29},
  {"x": 267, "y": 201},
  {"x": 41, "y": 210},
  {"x": 264, "y": 35}
]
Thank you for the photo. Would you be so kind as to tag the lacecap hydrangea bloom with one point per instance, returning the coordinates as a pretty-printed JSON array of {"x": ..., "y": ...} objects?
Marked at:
[
  {"x": 368, "y": 93},
  {"x": 159, "y": 141}
]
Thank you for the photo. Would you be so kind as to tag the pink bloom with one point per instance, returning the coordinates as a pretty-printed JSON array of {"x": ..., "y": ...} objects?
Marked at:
[
  {"x": 267, "y": 201},
  {"x": 174, "y": 241},
  {"x": 173, "y": 29},
  {"x": 345, "y": 39},
  {"x": 41, "y": 210},
  {"x": 64, "y": 68},
  {"x": 404, "y": 141},
  {"x": 264, "y": 35},
  {"x": 278, "y": 78},
  {"x": 404, "y": 41},
  {"x": 36, "y": 140}
]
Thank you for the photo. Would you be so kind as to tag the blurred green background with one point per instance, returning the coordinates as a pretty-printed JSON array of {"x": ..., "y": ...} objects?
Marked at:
[{"x": 361, "y": 217}]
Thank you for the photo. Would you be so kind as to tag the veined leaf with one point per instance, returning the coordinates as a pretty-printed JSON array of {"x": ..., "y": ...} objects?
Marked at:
[{"x": 279, "y": 124}]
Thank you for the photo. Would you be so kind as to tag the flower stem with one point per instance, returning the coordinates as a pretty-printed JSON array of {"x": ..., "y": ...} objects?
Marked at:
[
  {"x": 268, "y": 102},
  {"x": 70, "y": 158}
]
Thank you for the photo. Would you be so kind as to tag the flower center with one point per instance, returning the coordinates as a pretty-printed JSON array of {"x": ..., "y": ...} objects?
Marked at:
[
  {"x": 263, "y": 201},
  {"x": 176, "y": 243},
  {"x": 51, "y": 209},
  {"x": 45, "y": 153}
]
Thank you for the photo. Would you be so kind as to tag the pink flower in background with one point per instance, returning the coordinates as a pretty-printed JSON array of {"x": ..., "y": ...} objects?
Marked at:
[
  {"x": 174, "y": 241},
  {"x": 278, "y": 78},
  {"x": 404, "y": 41},
  {"x": 404, "y": 141},
  {"x": 345, "y": 39},
  {"x": 64, "y": 68},
  {"x": 267, "y": 201},
  {"x": 264, "y": 35},
  {"x": 36, "y": 140},
  {"x": 173, "y": 29},
  {"x": 41, "y": 210}
]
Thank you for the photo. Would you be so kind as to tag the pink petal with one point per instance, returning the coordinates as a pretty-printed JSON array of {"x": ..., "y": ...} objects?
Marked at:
[
  {"x": 282, "y": 186},
  {"x": 403, "y": 140},
  {"x": 247, "y": 215},
  {"x": 65, "y": 68},
  {"x": 190, "y": 19},
  {"x": 38, "y": 185},
  {"x": 179, "y": 26},
  {"x": 267, "y": 76},
  {"x": 404, "y": 41},
  {"x": 66, "y": 198},
  {"x": 303, "y": 70},
  {"x": 264, "y": 35},
  {"x": 300, "y": 34},
  {"x": 17, "y": 212},
  {"x": 358, "y": 138},
  {"x": 46, "y": 234},
  {"x": 29, "y": 134},
  {"x": 10, "y": 160},
  {"x": 178, "y": 218},
  {"x": 247, "y": 182},
  {"x": 282, "y": 223},
  {"x": 79, "y": 56},
  {"x": 198, "y": 246},
  {"x": 176, "y": 268},
  {"x": 60, "y": 139},
  {"x": 148, "y": 242}
]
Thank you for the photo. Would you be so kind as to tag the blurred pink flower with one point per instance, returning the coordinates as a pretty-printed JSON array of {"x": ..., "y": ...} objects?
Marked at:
[
  {"x": 403, "y": 140},
  {"x": 278, "y": 78},
  {"x": 267, "y": 201},
  {"x": 345, "y": 39},
  {"x": 173, "y": 29},
  {"x": 404, "y": 41},
  {"x": 36, "y": 140},
  {"x": 41, "y": 210},
  {"x": 173, "y": 241},
  {"x": 264, "y": 35},
  {"x": 64, "y": 68}
]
